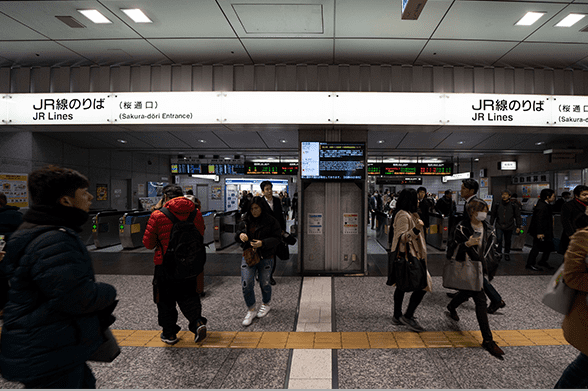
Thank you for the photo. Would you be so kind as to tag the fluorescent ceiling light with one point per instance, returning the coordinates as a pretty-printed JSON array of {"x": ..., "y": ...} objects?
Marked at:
[
  {"x": 95, "y": 16},
  {"x": 122, "y": 141},
  {"x": 137, "y": 15},
  {"x": 570, "y": 20},
  {"x": 529, "y": 18}
]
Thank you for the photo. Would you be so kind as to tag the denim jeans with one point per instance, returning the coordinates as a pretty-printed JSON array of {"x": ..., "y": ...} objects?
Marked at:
[
  {"x": 576, "y": 374},
  {"x": 492, "y": 294},
  {"x": 264, "y": 268},
  {"x": 507, "y": 234}
]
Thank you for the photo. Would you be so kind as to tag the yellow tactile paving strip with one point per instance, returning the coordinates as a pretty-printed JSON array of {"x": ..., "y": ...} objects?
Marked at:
[{"x": 343, "y": 340}]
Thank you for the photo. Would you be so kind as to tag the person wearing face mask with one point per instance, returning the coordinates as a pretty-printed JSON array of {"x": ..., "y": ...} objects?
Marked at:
[
  {"x": 476, "y": 239},
  {"x": 541, "y": 230},
  {"x": 570, "y": 211}
]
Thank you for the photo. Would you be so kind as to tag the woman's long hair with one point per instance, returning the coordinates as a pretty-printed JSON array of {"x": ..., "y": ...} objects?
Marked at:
[
  {"x": 265, "y": 209},
  {"x": 407, "y": 200}
]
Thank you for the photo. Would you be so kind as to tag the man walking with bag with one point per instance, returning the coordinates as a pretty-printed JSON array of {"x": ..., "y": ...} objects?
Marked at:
[{"x": 169, "y": 285}]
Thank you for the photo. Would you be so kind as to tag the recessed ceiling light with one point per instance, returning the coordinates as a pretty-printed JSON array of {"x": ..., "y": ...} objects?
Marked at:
[
  {"x": 529, "y": 18},
  {"x": 461, "y": 142},
  {"x": 477, "y": 159},
  {"x": 201, "y": 141},
  {"x": 95, "y": 16},
  {"x": 540, "y": 143},
  {"x": 227, "y": 158},
  {"x": 380, "y": 141},
  {"x": 570, "y": 20},
  {"x": 137, "y": 15},
  {"x": 283, "y": 141},
  {"x": 120, "y": 140}
]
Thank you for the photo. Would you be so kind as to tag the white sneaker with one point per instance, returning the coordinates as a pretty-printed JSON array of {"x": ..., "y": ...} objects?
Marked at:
[
  {"x": 249, "y": 317},
  {"x": 263, "y": 310}
]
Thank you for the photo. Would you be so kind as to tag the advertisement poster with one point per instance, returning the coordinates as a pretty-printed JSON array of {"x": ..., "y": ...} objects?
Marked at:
[
  {"x": 15, "y": 188},
  {"x": 315, "y": 223},
  {"x": 102, "y": 192},
  {"x": 141, "y": 190},
  {"x": 350, "y": 223},
  {"x": 155, "y": 189},
  {"x": 526, "y": 191},
  {"x": 483, "y": 182},
  {"x": 216, "y": 193}
]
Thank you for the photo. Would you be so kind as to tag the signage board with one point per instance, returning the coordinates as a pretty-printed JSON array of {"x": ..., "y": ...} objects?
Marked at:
[
  {"x": 386, "y": 169},
  {"x": 569, "y": 111},
  {"x": 332, "y": 161},
  {"x": 508, "y": 165},
  {"x": 15, "y": 188},
  {"x": 3, "y": 109}
]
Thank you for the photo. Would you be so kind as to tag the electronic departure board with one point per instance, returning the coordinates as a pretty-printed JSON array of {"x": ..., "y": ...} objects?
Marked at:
[
  {"x": 336, "y": 161},
  {"x": 391, "y": 169},
  {"x": 271, "y": 168},
  {"x": 400, "y": 180},
  {"x": 216, "y": 169}
]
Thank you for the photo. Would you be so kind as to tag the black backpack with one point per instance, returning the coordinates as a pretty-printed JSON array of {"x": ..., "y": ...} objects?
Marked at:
[{"x": 186, "y": 255}]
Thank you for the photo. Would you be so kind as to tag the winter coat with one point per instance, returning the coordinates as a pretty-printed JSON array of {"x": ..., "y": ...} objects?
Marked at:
[
  {"x": 570, "y": 211},
  {"x": 277, "y": 212},
  {"x": 267, "y": 229},
  {"x": 446, "y": 207},
  {"x": 10, "y": 220},
  {"x": 51, "y": 321},
  {"x": 542, "y": 221},
  {"x": 159, "y": 226},
  {"x": 506, "y": 215},
  {"x": 575, "y": 324}
]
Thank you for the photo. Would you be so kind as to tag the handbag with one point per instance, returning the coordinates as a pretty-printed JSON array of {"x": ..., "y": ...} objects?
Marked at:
[
  {"x": 251, "y": 256},
  {"x": 463, "y": 275},
  {"x": 109, "y": 349},
  {"x": 410, "y": 271},
  {"x": 558, "y": 296},
  {"x": 282, "y": 251}
]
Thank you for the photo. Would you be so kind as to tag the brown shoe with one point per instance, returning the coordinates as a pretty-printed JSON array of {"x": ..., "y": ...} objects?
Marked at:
[{"x": 493, "y": 349}]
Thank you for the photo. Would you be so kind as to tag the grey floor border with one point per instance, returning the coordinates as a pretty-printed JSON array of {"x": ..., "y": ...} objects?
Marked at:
[
  {"x": 334, "y": 363},
  {"x": 291, "y": 353}
]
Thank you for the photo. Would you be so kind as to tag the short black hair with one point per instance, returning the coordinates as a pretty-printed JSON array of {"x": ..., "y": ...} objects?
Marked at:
[
  {"x": 190, "y": 192},
  {"x": 48, "y": 184},
  {"x": 173, "y": 191},
  {"x": 407, "y": 200},
  {"x": 567, "y": 193},
  {"x": 448, "y": 192},
  {"x": 264, "y": 184},
  {"x": 546, "y": 193},
  {"x": 421, "y": 189},
  {"x": 579, "y": 189},
  {"x": 514, "y": 195},
  {"x": 471, "y": 184},
  {"x": 506, "y": 191}
]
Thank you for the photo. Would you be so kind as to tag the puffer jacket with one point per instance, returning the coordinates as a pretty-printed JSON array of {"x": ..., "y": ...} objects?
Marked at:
[
  {"x": 10, "y": 219},
  {"x": 50, "y": 321},
  {"x": 158, "y": 230},
  {"x": 575, "y": 324},
  {"x": 267, "y": 229}
]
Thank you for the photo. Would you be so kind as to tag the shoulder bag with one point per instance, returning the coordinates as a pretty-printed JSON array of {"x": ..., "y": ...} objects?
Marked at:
[
  {"x": 410, "y": 271},
  {"x": 251, "y": 256},
  {"x": 109, "y": 349},
  {"x": 558, "y": 296},
  {"x": 463, "y": 275}
]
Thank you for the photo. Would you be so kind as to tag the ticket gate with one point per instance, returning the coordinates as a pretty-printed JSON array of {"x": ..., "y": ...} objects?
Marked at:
[
  {"x": 132, "y": 228},
  {"x": 382, "y": 229},
  {"x": 438, "y": 232},
  {"x": 105, "y": 228},
  {"x": 209, "y": 224},
  {"x": 225, "y": 227}
]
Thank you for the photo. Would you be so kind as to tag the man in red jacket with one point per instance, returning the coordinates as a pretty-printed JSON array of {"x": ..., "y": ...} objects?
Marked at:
[{"x": 167, "y": 292}]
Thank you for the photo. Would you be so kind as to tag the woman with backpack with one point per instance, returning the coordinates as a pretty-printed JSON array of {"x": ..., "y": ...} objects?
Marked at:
[{"x": 259, "y": 239}]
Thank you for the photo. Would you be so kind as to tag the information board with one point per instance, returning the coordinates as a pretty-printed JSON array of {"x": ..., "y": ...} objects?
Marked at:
[
  {"x": 332, "y": 161},
  {"x": 390, "y": 169},
  {"x": 15, "y": 188}
]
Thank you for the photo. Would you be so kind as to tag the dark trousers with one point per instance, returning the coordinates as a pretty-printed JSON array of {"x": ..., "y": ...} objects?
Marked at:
[
  {"x": 574, "y": 376},
  {"x": 78, "y": 377},
  {"x": 373, "y": 219},
  {"x": 538, "y": 245},
  {"x": 481, "y": 310},
  {"x": 166, "y": 293},
  {"x": 415, "y": 300},
  {"x": 491, "y": 292},
  {"x": 507, "y": 235}
]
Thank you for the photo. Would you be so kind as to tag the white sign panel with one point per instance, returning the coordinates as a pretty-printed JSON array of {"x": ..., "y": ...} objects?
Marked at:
[
  {"x": 3, "y": 109},
  {"x": 277, "y": 107},
  {"x": 569, "y": 111},
  {"x": 167, "y": 108},
  {"x": 508, "y": 165},
  {"x": 59, "y": 109},
  {"x": 315, "y": 223},
  {"x": 498, "y": 110},
  {"x": 350, "y": 223},
  {"x": 377, "y": 108}
]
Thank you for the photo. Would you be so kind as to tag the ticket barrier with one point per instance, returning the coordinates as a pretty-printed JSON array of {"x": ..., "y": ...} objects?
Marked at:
[
  {"x": 438, "y": 232},
  {"x": 105, "y": 228},
  {"x": 528, "y": 239},
  {"x": 209, "y": 224},
  {"x": 382, "y": 229},
  {"x": 132, "y": 228},
  {"x": 225, "y": 227},
  {"x": 86, "y": 234}
]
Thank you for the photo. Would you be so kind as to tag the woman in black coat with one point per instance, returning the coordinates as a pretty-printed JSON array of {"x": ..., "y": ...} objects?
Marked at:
[
  {"x": 262, "y": 233},
  {"x": 541, "y": 230}
]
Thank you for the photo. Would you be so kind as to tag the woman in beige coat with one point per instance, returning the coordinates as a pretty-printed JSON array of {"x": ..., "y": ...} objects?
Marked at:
[
  {"x": 575, "y": 324},
  {"x": 408, "y": 231}
]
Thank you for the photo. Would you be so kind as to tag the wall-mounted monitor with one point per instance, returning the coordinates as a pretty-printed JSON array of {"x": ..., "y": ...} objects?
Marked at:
[{"x": 332, "y": 161}]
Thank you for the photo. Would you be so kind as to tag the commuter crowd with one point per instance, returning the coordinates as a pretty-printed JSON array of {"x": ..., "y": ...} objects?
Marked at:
[{"x": 57, "y": 316}]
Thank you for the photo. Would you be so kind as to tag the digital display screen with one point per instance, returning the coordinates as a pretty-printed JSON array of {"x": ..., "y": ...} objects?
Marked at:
[
  {"x": 216, "y": 169},
  {"x": 262, "y": 168},
  {"x": 332, "y": 161},
  {"x": 391, "y": 169},
  {"x": 400, "y": 180}
]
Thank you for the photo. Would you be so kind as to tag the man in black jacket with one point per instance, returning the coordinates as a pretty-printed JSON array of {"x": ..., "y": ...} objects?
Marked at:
[
  {"x": 56, "y": 312},
  {"x": 10, "y": 220},
  {"x": 541, "y": 230},
  {"x": 507, "y": 216},
  {"x": 570, "y": 211},
  {"x": 275, "y": 205}
]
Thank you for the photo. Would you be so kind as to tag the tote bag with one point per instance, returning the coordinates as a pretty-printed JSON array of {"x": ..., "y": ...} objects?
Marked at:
[
  {"x": 410, "y": 271},
  {"x": 558, "y": 296},
  {"x": 463, "y": 275}
]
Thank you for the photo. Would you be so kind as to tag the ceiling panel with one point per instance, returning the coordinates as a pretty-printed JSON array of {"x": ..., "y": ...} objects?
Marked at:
[
  {"x": 381, "y": 19},
  {"x": 160, "y": 139},
  {"x": 501, "y": 141},
  {"x": 284, "y": 50},
  {"x": 201, "y": 139},
  {"x": 477, "y": 53},
  {"x": 117, "y": 52},
  {"x": 10, "y": 29},
  {"x": 463, "y": 140},
  {"x": 534, "y": 54},
  {"x": 549, "y": 33},
  {"x": 390, "y": 139},
  {"x": 237, "y": 140},
  {"x": 40, "y": 15},
  {"x": 491, "y": 20},
  {"x": 39, "y": 53},
  {"x": 176, "y": 19},
  {"x": 203, "y": 51},
  {"x": 421, "y": 141},
  {"x": 280, "y": 139},
  {"x": 377, "y": 51},
  {"x": 82, "y": 140},
  {"x": 131, "y": 141}
]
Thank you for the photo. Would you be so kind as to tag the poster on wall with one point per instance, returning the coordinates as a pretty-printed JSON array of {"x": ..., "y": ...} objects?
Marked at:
[
  {"x": 315, "y": 224},
  {"x": 350, "y": 223},
  {"x": 526, "y": 191},
  {"x": 141, "y": 190},
  {"x": 216, "y": 193},
  {"x": 155, "y": 189},
  {"x": 483, "y": 182},
  {"x": 15, "y": 188},
  {"x": 101, "y": 192},
  {"x": 231, "y": 198}
]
